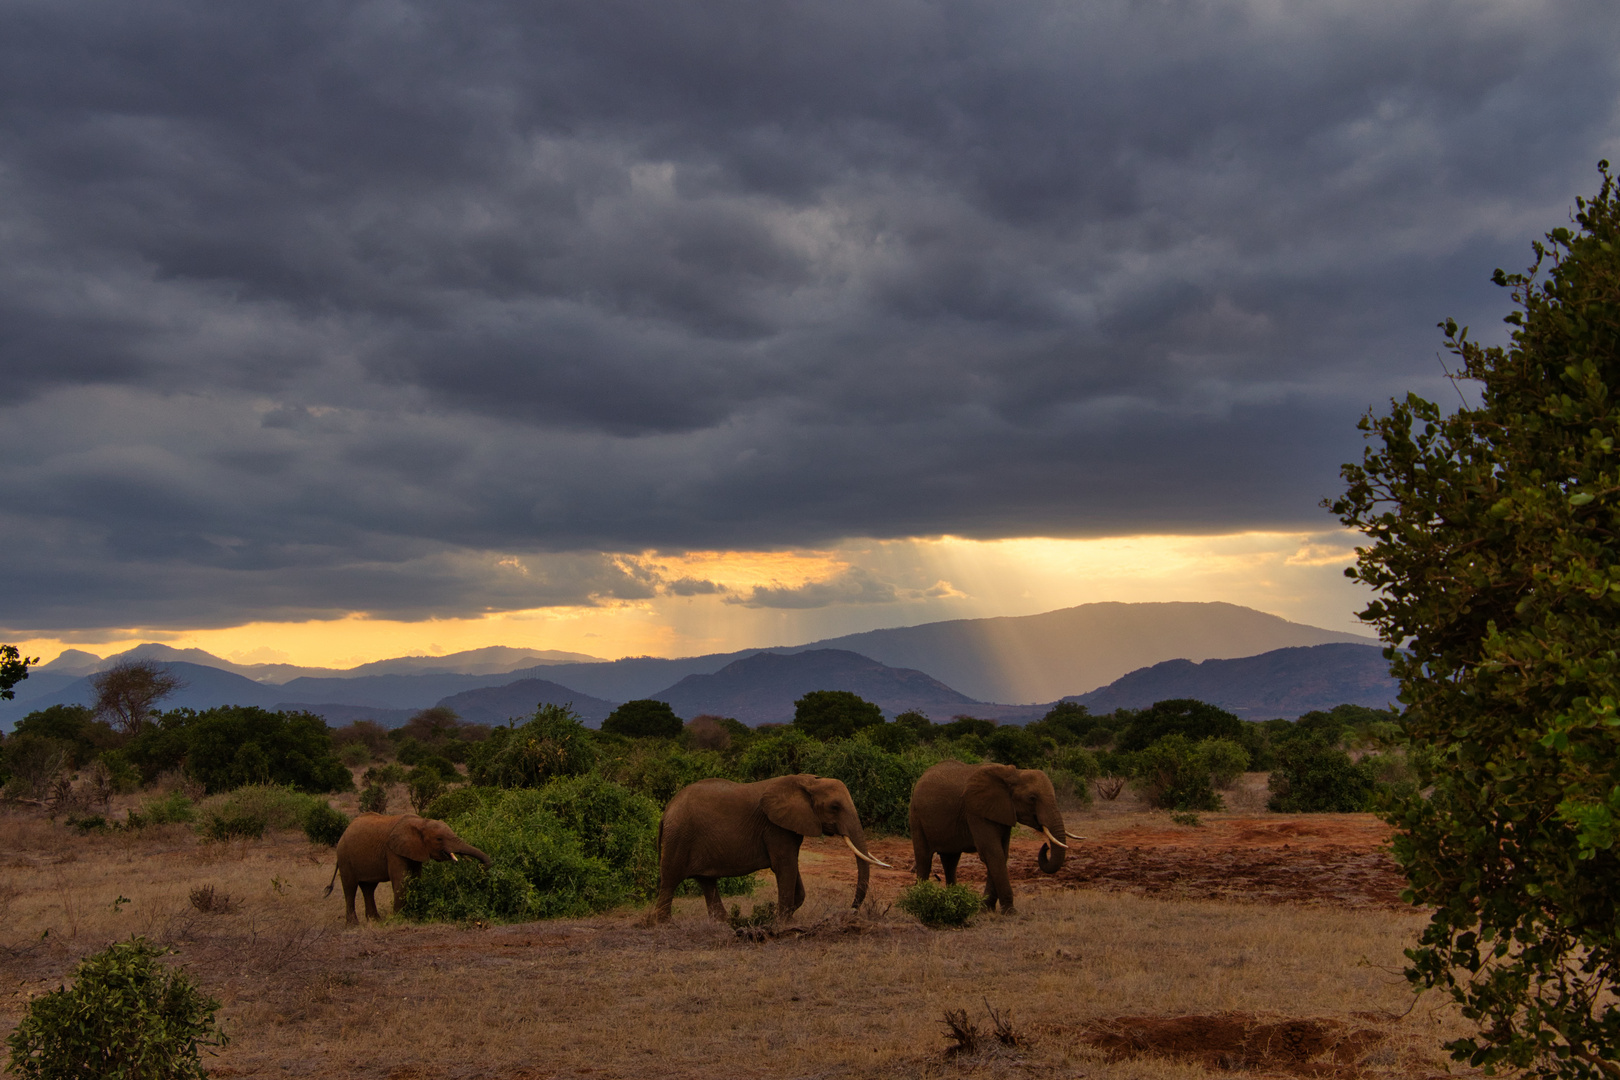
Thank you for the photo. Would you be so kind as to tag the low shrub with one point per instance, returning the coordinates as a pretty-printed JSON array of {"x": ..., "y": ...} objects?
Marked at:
[
  {"x": 1172, "y": 775},
  {"x": 324, "y": 824},
  {"x": 248, "y": 812},
  {"x": 1224, "y": 759},
  {"x": 425, "y": 786},
  {"x": 374, "y": 800},
  {"x": 658, "y": 772},
  {"x": 173, "y": 808},
  {"x": 781, "y": 753},
  {"x": 933, "y": 904},
  {"x": 879, "y": 782},
  {"x": 88, "y": 824},
  {"x": 354, "y": 754},
  {"x": 383, "y": 775},
  {"x": 126, "y": 1016},
  {"x": 1313, "y": 777},
  {"x": 553, "y": 744}
]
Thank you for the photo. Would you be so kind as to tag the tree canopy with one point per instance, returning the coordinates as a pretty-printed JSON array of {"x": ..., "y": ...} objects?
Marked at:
[
  {"x": 1495, "y": 553},
  {"x": 644, "y": 719},
  {"x": 834, "y": 714},
  {"x": 13, "y": 669},
  {"x": 127, "y": 693}
]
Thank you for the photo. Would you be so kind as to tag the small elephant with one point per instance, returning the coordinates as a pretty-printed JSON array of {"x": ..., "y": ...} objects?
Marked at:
[
  {"x": 392, "y": 848},
  {"x": 716, "y": 828},
  {"x": 957, "y": 808}
]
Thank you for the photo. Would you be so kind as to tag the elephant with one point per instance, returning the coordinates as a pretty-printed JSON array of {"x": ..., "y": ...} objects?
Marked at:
[
  {"x": 392, "y": 848},
  {"x": 957, "y": 808},
  {"x": 716, "y": 828}
]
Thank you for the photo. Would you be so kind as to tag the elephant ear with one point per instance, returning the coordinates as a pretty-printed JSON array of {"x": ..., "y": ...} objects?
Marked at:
[
  {"x": 787, "y": 805},
  {"x": 408, "y": 840},
  {"x": 987, "y": 794}
]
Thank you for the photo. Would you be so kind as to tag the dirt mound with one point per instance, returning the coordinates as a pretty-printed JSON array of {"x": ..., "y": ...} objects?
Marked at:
[{"x": 1299, "y": 1047}]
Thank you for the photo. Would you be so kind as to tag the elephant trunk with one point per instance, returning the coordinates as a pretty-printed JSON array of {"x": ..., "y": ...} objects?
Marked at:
[
  {"x": 863, "y": 869},
  {"x": 461, "y": 847},
  {"x": 1052, "y": 856}
]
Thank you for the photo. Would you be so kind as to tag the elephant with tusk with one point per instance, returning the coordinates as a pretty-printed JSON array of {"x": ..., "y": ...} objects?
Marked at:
[
  {"x": 392, "y": 848},
  {"x": 957, "y": 808},
  {"x": 716, "y": 828}
]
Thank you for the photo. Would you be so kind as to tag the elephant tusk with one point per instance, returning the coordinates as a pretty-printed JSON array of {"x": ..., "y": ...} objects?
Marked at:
[
  {"x": 1073, "y": 836},
  {"x": 453, "y": 857},
  {"x": 1054, "y": 839},
  {"x": 859, "y": 854}
]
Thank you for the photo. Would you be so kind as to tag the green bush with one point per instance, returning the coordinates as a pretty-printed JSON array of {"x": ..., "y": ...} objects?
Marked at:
[
  {"x": 1172, "y": 775},
  {"x": 879, "y": 783},
  {"x": 354, "y": 754},
  {"x": 374, "y": 800},
  {"x": 933, "y": 904},
  {"x": 894, "y": 738},
  {"x": 252, "y": 810},
  {"x": 1078, "y": 761},
  {"x": 658, "y": 772},
  {"x": 383, "y": 775},
  {"x": 425, "y": 786},
  {"x": 236, "y": 745},
  {"x": 453, "y": 804},
  {"x": 1190, "y": 718},
  {"x": 173, "y": 808},
  {"x": 644, "y": 719},
  {"x": 325, "y": 825},
  {"x": 782, "y": 753},
  {"x": 441, "y": 765},
  {"x": 126, "y": 1016},
  {"x": 1224, "y": 759},
  {"x": 573, "y": 848},
  {"x": 1313, "y": 777},
  {"x": 834, "y": 714},
  {"x": 553, "y": 744}
]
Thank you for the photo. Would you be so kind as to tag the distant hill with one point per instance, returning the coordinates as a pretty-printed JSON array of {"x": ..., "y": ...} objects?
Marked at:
[
  {"x": 1282, "y": 682},
  {"x": 762, "y": 688},
  {"x": 498, "y": 704},
  {"x": 1033, "y": 658},
  {"x": 493, "y": 660}
]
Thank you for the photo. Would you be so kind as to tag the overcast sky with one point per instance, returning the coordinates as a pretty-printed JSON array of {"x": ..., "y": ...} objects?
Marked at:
[{"x": 432, "y": 309}]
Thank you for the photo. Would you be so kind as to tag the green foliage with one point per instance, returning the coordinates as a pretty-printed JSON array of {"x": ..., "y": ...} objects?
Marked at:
[
  {"x": 383, "y": 775},
  {"x": 1172, "y": 774},
  {"x": 879, "y": 782},
  {"x": 13, "y": 669},
  {"x": 425, "y": 785},
  {"x": 895, "y": 738},
  {"x": 1225, "y": 759},
  {"x": 781, "y": 753},
  {"x": 1494, "y": 555},
  {"x": 1313, "y": 777},
  {"x": 962, "y": 727},
  {"x": 933, "y": 904},
  {"x": 251, "y": 810},
  {"x": 33, "y": 762},
  {"x": 374, "y": 799},
  {"x": 917, "y": 723},
  {"x": 572, "y": 848},
  {"x": 834, "y": 714},
  {"x": 233, "y": 745},
  {"x": 74, "y": 725},
  {"x": 453, "y": 804},
  {"x": 659, "y": 771},
  {"x": 1193, "y": 719},
  {"x": 644, "y": 719},
  {"x": 1187, "y": 818},
  {"x": 173, "y": 808},
  {"x": 126, "y": 1016},
  {"x": 553, "y": 744},
  {"x": 354, "y": 754},
  {"x": 762, "y": 915},
  {"x": 1010, "y": 744},
  {"x": 324, "y": 824}
]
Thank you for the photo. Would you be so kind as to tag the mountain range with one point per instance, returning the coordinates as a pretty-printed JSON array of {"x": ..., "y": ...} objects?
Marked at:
[{"x": 962, "y": 666}]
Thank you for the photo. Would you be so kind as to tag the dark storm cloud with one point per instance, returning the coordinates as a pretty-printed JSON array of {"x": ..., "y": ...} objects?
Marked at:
[{"x": 311, "y": 308}]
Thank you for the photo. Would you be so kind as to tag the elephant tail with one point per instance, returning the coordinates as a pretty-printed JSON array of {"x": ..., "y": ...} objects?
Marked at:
[{"x": 329, "y": 884}]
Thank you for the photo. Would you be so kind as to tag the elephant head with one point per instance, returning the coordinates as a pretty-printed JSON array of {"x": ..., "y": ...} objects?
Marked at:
[
  {"x": 1009, "y": 795},
  {"x": 819, "y": 806},
  {"x": 423, "y": 839}
]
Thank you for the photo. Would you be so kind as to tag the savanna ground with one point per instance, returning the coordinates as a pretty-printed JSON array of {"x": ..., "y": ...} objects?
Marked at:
[{"x": 1254, "y": 944}]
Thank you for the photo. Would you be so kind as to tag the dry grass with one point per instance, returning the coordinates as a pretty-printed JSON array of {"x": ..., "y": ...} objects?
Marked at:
[{"x": 849, "y": 995}]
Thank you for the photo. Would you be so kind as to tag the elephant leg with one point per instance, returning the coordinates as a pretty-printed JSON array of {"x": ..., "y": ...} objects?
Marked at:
[
  {"x": 369, "y": 889},
  {"x": 992, "y": 840},
  {"x": 711, "y": 897},
  {"x": 784, "y": 855},
  {"x": 666, "y": 897},
  {"x": 348, "y": 903},
  {"x": 922, "y": 856},
  {"x": 947, "y": 862}
]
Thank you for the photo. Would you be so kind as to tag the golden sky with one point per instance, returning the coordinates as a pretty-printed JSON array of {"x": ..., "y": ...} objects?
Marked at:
[{"x": 792, "y": 597}]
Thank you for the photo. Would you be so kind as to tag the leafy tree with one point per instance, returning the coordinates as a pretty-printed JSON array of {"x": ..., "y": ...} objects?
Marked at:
[
  {"x": 1010, "y": 744},
  {"x": 1495, "y": 551},
  {"x": 917, "y": 723},
  {"x": 1194, "y": 719},
  {"x": 554, "y": 743},
  {"x": 1064, "y": 723},
  {"x": 962, "y": 727},
  {"x": 127, "y": 692},
  {"x": 74, "y": 725},
  {"x": 233, "y": 745},
  {"x": 834, "y": 714},
  {"x": 1173, "y": 775},
  {"x": 13, "y": 669},
  {"x": 644, "y": 719},
  {"x": 1312, "y": 776}
]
